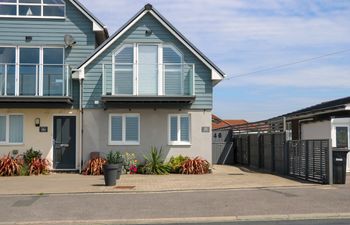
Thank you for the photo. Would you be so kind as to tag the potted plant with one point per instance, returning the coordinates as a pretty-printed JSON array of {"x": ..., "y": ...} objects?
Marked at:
[{"x": 113, "y": 167}]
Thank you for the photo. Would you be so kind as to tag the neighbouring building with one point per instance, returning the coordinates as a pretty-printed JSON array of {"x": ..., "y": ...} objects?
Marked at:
[
  {"x": 218, "y": 123},
  {"x": 68, "y": 89},
  {"x": 327, "y": 120}
]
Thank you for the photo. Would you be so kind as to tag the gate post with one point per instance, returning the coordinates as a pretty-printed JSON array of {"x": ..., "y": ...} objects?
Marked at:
[{"x": 330, "y": 162}]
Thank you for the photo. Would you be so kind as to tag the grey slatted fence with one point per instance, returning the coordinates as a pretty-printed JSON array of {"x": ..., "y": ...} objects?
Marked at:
[{"x": 309, "y": 160}]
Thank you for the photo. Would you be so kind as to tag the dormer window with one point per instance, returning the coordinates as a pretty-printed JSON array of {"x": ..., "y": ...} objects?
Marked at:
[{"x": 32, "y": 8}]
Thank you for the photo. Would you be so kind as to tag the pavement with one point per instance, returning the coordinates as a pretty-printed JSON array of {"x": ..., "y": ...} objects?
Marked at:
[{"x": 223, "y": 177}]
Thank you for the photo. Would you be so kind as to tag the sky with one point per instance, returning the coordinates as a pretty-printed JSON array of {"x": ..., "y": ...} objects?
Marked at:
[{"x": 242, "y": 37}]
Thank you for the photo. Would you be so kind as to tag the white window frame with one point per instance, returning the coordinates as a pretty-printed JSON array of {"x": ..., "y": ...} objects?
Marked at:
[
  {"x": 40, "y": 76},
  {"x": 7, "y": 137},
  {"x": 179, "y": 142},
  {"x": 42, "y": 4},
  {"x": 123, "y": 142},
  {"x": 339, "y": 122},
  {"x": 160, "y": 74}
]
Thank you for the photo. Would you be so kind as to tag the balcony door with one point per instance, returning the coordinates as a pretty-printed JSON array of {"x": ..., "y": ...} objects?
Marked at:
[{"x": 147, "y": 69}]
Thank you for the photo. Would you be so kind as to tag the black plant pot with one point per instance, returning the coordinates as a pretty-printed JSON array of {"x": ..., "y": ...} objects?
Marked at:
[{"x": 110, "y": 172}]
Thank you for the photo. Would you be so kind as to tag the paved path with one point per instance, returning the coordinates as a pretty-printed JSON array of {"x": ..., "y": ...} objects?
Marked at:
[
  {"x": 223, "y": 177},
  {"x": 172, "y": 207}
]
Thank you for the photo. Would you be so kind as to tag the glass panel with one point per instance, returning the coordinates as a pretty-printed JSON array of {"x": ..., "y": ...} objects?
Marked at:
[
  {"x": 16, "y": 129},
  {"x": 54, "y": 11},
  {"x": 342, "y": 137},
  {"x": 117, "y": 128},
  {"x": 11, "y": 79},
  {"x": 8, "y": 10},
  {"x": 173, "y": 79},
  {"x": 132, "y": 128},
  {"x": 28, "y": 71},
  {"x": 8, "y": 57},
  {"x": 54, "y": 2},
  {"x": 124, "y": 79},
  {"x": 29, "y": 10},
  {"x": 173, "y": 128},
  {"x": 53, "y": 81},
  {"x": 53, "y": 56},
  {"x": 148, "y": 70},
  {"x": 185, "y": 125},
  {"x": 9, "y": 1},
  {"x": 2, "y": 128}
]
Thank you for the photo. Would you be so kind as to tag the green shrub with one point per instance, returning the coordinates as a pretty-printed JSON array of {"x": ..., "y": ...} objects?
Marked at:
[
  {"x": 155, "y": 163},
  {"x": 31, "y": 154},
  {"x": 114, "y": 157},
  {"x": 176, "y": 163},
  {"x": 24, "y": 171}
]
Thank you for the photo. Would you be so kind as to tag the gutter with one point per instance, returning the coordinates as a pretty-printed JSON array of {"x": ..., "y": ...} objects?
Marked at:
[{"x": 315, "y": 113}]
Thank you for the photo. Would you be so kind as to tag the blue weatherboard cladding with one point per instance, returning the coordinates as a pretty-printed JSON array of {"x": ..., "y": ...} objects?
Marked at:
[
  {"x": 50, "y": 32},
  {"x": 92, "y": 90}
]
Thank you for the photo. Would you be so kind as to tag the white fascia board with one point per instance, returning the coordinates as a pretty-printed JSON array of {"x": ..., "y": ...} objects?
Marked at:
[
  {"x": 113, "y": 40},
  {"x": 215, "y": 75},
  {"x": 95, "y": 26}
]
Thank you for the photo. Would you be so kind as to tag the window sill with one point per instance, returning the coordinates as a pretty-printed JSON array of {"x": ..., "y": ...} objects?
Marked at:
[
  {"x": 124, "y": 143},
  {"x": 185, "y": 144},
  {"x": 33, "y": 17},
  {"x": 11, "y": 144}
]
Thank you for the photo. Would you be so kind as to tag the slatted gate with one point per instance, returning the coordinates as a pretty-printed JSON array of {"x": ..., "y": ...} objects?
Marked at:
[
  {"x": 309, "y": 160},
  {"x": 223, "y": 148}
]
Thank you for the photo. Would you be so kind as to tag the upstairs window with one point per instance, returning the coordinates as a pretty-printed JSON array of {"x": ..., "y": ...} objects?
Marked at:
[{"x": 32, "y": 8}]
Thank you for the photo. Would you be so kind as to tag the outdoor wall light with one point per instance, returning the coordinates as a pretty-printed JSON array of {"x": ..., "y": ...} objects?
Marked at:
[
  {"x": 29, "y": 38},
  {"x": 148, "y": 32},
  {"x": 37, "y": 122}
]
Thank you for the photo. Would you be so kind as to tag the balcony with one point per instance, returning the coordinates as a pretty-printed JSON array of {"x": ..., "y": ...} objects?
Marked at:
[
  {"x": 148, "y": 85},
  {"x": 35, "y": 85}
]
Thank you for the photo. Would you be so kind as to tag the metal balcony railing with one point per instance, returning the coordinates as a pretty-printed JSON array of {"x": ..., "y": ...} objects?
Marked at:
[
  {"x": 35, "y": 80},
  {"x": 148, "y": 79}
]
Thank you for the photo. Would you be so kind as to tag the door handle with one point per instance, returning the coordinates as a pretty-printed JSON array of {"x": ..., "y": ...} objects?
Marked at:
[{"x": 64, "y": 145}]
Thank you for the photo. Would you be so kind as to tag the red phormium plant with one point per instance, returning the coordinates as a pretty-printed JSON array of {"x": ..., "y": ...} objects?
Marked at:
[
  {"x": 195, "y": 166},
  {"x": 94, "y": 166},
  {"x": 10, "y": 166},
  {"x": 39, "y": 166}
]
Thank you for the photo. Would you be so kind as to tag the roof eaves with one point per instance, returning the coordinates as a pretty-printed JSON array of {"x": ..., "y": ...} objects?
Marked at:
[
  {"x": 111, "y": 37},
  {"x": 149, "y": 7},
  {"x": 90, "y": 14},
  {"x": 189, "y": 43}
]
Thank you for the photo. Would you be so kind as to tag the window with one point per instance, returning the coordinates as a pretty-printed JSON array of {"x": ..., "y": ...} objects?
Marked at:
[
  {"x": 11, "y": 129},
  {"x": 150, "y": 69},
  {"x": 32, "y": 8},
  {"x": 7, "y": 70},
  {"x": 33, "y": 77},
  {"x": 124, "y": 129},
  {"x": 342, "y": 137},
  {"x": 179, "y": 129}
]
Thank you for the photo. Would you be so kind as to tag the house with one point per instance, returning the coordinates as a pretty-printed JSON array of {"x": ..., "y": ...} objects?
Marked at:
[
  {"x": 218, "y": 123},
  {"x": 41, "y": 43},
  {"x": 68, "y": 89},
  {"x": 147, "y": 85},
  {"x": 327, "y": 120}
]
